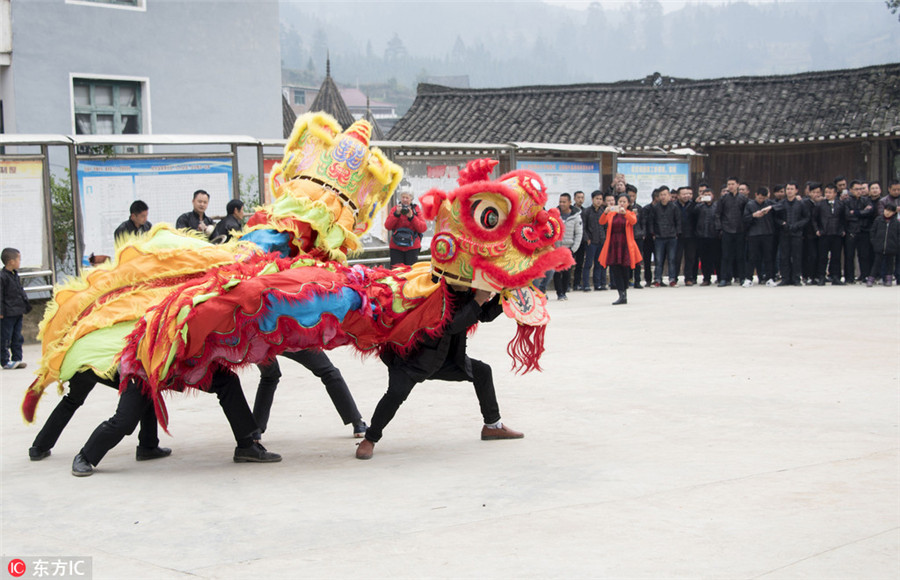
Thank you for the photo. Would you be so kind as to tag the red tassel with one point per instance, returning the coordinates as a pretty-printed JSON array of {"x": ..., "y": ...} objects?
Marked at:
[
  {"x": 526, "y": 348},
  {"x": 29, "y": 404}
]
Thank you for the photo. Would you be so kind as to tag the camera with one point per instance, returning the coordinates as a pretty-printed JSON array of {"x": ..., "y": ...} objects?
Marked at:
[{"x": 404, "y": 209}]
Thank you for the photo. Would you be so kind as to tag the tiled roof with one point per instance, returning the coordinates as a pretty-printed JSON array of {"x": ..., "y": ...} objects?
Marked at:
[
  {"x": 664, "y": 112},
  {"x": 287, "y": 116},
  {"x": 329, "y": 101}
]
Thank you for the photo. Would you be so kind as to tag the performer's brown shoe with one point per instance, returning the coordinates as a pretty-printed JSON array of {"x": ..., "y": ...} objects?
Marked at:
[
  {"x": 365, "y": 449},
  {"x": 504, "y": 432}
]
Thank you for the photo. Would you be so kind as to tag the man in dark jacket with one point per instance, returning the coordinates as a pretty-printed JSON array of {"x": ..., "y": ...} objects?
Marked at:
[
  {"x": 791, "y": 217},
  {"x": 665, "y": 223},
  {"x": 639, "y": 233},
  {"x": 708, "y": 232},
  {"x": 137, "y": 220},
  {"x": 196, "y": 219},
  {"x": 760, "y": 223},
  {"x": 730, "y": 213},
  {"x": 686, "y": 248},
  {"x": 830, "y": 229},
  {"x": 859, "y": 211},
  {"x": 810, "y": 239},
  {"x": 443, "y": 358},
  {"x": 593, "y": 274},
  {"x": 233, "y": 222}
]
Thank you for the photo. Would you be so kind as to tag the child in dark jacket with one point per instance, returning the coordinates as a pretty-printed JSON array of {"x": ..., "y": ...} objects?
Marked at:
[
  {"x": 13, "y": 306},
  {"x": 885, "y": 244}
]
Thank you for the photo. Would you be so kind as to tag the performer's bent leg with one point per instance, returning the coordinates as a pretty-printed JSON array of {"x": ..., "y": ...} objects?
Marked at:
[
  {"x": 132, "y": 404},
  {"x": 227, "y": 387},
  {"x": 483, "y": 379},
  {"x": 399, "y": 386},
  {"x": 80, "y": 386},
  {"x": 269, "y": 375},
  {"x": 319, "y": 364}
]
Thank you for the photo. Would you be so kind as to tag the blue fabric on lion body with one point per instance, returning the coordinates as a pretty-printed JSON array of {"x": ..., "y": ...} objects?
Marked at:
[
  {"x": 308, "y": 311},
  {"x": 269, "y": 241}
]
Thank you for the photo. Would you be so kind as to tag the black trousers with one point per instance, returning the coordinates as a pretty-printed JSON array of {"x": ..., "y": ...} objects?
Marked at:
[
  {"x": 791, "y": 258},
  {"x": 810, "y": 257},
  {"x": 318, "y": 364},
  {"x": 579, "y": 264},
  {"x": 561, "y": 281},
  {"x": 856, "y": 246},
  {"x": 400, "y": 384},
  {"x": 133, "y": 404},
  {"x": 404, "y": 257},
  {"x": 647, "y": 251},
  {"x": 733, "y": 256},
  {"x": 761, "y": 250},
  {"x": 830, "y": 256},
  {"x": 864, "y": 252},
  {"x": 709, "y": 251},
  {"x": 686, "y": 256},
  {"x": 80, "y": 386}
]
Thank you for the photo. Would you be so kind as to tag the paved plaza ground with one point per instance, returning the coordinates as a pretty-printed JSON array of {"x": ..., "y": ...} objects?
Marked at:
[{"x": 694, "y": 433}]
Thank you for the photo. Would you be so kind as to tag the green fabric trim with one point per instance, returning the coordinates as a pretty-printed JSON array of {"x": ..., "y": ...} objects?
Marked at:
[{"x": 98, "y": 350}]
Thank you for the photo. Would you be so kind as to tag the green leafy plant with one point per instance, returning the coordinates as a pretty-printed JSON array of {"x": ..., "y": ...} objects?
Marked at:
[{"x": 63, "y": 218}]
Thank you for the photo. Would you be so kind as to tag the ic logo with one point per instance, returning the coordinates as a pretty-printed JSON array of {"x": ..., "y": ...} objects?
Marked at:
[{"x": 16, "y": 567}]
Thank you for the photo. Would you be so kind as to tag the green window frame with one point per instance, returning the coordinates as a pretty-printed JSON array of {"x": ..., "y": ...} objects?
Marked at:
[{"x": 106, "y": 107}]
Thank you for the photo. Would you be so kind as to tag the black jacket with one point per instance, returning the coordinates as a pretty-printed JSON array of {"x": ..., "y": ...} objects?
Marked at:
[
  {"x": 731, "y": 213},
  {"x": 791, "y": 217},
  {"x": 665, "y": 220},
  {"x": 593, "y": 231},
  {"x": 761, "y": 226},
  {"x": 128, "y": 227},
  {"x": 886, "y": 235},
  {"x": 191, "y": 220},
  {"x": 450, "y": 346},
  {"x": 13, "y": 300},
  {"x": 809, "y": 232},
  {"x": 859, "y": 214},
  {"x": 688, "y": 221},
  {"x": 640, "y": 228},
  {"x": 706, "y": 223},
  {"x": 830, "y": 219},
  {"x": 225, "y": 227}
]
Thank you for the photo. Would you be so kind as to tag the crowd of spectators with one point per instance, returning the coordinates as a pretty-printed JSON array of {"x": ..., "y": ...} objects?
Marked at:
[{"x": 839, "y": 232}]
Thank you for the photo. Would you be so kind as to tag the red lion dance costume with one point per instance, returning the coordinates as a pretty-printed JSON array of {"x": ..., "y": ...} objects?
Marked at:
[{"x": 171, "y": 308}]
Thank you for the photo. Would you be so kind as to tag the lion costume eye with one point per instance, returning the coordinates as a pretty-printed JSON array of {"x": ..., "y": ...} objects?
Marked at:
[{"x": 489, "y": 213}]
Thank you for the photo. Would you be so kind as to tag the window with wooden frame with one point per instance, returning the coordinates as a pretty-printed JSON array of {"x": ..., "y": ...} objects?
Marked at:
[{"x": 105, "y": 107}]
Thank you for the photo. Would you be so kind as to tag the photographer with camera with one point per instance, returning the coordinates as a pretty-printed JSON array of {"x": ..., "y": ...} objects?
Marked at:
[{"x": 406, "y": 227}]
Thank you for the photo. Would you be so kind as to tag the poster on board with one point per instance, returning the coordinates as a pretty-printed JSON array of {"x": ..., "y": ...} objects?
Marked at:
[
  {"x": 22, "y": 210},
  {"x": 648, "y": 174},
  {"x": 565, "y": 177},
  {"x": 109, "y": 186}
]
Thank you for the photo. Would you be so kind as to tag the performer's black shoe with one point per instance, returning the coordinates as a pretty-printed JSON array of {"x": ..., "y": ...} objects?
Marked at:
[
  {"x": 359, "y": 429},
  {"x": 36, "y": 453},
  {"x": 81, "y": 467},
  {"x": 144, "y": 454},
  {"x": 256, "y": 453}
]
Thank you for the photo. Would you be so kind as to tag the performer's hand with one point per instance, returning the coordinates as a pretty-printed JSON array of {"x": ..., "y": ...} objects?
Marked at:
[{"x": 482, "y": 296}]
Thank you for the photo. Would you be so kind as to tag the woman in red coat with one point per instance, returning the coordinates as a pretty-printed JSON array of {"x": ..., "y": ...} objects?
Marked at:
[
  {"x": 620, "y": 252},
  {"x": 406, "y": 227}
]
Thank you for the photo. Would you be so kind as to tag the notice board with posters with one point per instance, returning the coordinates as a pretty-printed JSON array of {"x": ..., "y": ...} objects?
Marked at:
[
  {"x": 565, "y": 177},
  {"x": 22, "y": 210},
  {"x": 648, "y": 174},
  {"x": 107, "y": 187}
]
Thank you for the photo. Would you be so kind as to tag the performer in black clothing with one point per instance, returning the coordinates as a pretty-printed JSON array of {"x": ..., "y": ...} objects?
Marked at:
[
  {"x": 133, "y": 404},
  {"x": 443, "y": 358},
  {"x": 319, "y": 364},
  {"x": 80, "y": 386}
]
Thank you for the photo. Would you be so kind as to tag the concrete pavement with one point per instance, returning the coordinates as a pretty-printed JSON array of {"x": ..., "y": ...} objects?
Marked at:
[{"x": 694, "y": 433}]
